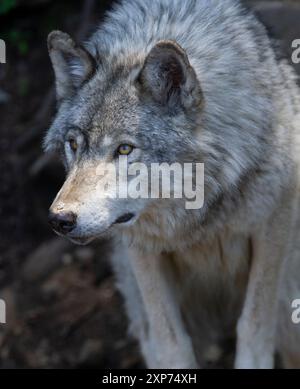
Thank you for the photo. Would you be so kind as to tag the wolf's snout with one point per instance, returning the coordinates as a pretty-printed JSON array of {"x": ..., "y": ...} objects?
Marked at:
[{"x": 62, "y": 222}]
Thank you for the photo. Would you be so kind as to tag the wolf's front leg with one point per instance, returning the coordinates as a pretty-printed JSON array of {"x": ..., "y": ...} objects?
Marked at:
[
  {"x": 257, "y": 325},
  {"x": 171, "y": 344}
]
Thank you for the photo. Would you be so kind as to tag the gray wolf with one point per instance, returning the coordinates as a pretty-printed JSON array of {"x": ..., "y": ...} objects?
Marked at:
[{"x": 185, "y": 81}]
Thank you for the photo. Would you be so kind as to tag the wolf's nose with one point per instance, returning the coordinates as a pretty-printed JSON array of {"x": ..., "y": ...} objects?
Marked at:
[{"x": 63, "y": 222}]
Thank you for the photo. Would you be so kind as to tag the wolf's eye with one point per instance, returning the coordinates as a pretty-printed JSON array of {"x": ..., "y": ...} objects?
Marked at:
[
  {"x": 125, "y": 149},
  {"x": 73, "y": 144}
]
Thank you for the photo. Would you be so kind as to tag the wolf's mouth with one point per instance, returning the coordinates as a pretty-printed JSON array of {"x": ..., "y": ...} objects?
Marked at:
[
  {"x": 82, "y": 241},
  {"x": 125, "y": 218}
]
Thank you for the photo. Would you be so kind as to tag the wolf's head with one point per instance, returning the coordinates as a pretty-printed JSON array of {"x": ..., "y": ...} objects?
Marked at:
[
  {"x": 145, "y": 107},
  {"x": 153, "y": 106}
]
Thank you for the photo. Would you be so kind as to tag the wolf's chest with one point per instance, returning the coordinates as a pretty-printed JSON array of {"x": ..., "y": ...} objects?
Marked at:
[
  {"x": 211, "y": 283},
  {"x": 225, "y": 259}
]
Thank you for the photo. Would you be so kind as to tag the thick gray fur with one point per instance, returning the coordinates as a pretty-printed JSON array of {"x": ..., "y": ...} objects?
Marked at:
[{"x": 190, "y": 81}]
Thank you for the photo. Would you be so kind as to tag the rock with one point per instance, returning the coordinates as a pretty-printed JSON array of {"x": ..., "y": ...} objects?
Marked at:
[
  {"x": 89, "y": 352},
  {"x": 4, "y": 97},
  {"x": 45, "y": 259},
  {"x": 67, "y": 259},
  {"x": 84, "y": 254}
]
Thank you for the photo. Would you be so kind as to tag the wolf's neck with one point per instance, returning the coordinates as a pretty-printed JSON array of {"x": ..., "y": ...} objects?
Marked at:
[{"x": 166, "y": 227}]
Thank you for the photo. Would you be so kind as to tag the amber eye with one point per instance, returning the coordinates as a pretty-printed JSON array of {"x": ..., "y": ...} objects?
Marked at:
[
  {"x": 125, "y": 149},
  {"x": 73, "y": 144}
]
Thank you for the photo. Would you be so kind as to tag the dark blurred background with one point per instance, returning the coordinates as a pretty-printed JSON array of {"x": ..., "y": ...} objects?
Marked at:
[{"x": 63, "y": 310}]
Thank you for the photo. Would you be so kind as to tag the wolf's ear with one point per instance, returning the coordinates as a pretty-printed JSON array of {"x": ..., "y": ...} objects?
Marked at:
[
  {"x": 64, "y": 53},
  {"x": 169, "y": 77}
]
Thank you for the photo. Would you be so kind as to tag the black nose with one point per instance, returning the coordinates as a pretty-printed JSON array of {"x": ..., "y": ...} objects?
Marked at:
[
  {"x": 63, "y": 222},
  {"x": 125, "y": 218}
]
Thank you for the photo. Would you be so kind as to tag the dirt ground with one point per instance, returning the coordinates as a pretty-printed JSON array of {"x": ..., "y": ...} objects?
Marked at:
[{"x": 63, "y": 310}]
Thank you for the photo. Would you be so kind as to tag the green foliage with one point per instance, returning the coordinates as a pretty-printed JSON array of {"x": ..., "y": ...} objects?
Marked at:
[
  {"x": 23, "y": 87},
  {"x": 6, "y": 6},
  {"x": 19, "y": 40}
]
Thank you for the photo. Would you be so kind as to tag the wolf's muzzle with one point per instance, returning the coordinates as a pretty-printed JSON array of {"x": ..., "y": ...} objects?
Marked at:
[{"x": 63, "y": 222}]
